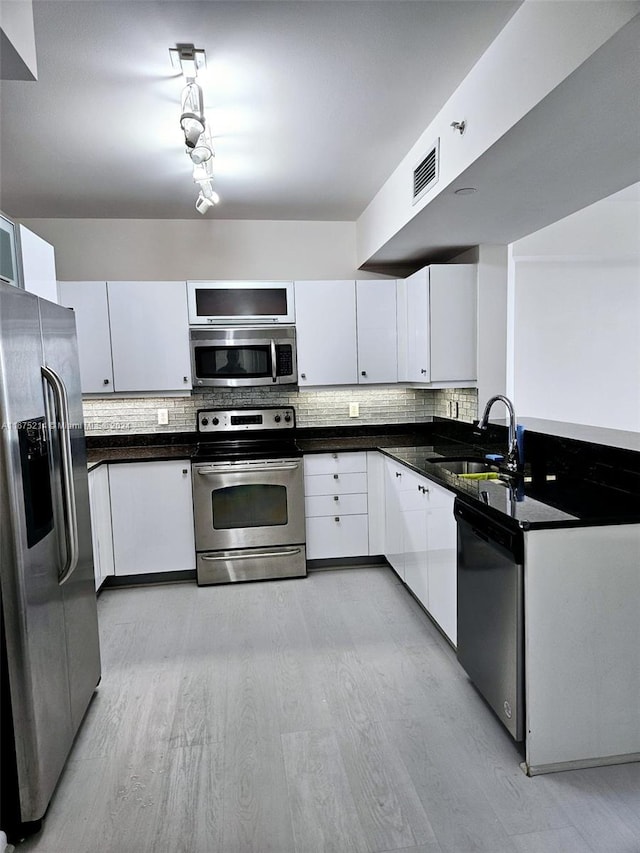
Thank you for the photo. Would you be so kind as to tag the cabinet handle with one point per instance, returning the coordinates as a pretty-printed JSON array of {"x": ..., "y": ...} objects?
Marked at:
[
  {"x": 105, "y": 381},
  {"x": 337, "y": 518},
  {"x": 335, "y": 476},
  {"x": 363, "y": 373},
  {"x": 423, "y": 371},
  {"x": 185, "y": 470},
  {"x": 303, "y": 376},
  {"x": 423, "y": 489},
  {"x": 185, "y": 378},
  {"x": 336, "y": 498},
  {"x": 398, "y": 474},
  {"x": 334, "y": 455}
]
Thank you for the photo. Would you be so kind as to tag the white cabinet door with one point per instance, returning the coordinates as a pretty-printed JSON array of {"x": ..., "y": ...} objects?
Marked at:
[
  {"x": 377, "y": 336},
  {"x": 393, "y": 534},
  {"x": 38, "y": 265},
  {"x": 418, "y": 359},
  {"x": 421, "y": 541},
  {"x": 375, "y": 502},
  {"x": 149, "y": 335},
  {"x": 101, "y": 535},
  {"x": 152, "y": 517},
  {"x": 437, "y": 325},
  {"x": 453, "y": 328},
  {"x": 326, "y": 332},
  {"x": 413, "y": 502},
  {"x": 442, "y": 559},
  {"x": 89, "y": 302}
]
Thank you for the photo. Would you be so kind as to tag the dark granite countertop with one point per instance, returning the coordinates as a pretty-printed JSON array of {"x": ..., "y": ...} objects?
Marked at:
[
  {"x": 528, "y": 502},
  {"x": 518, "y": 499},
  {"x": 137, "y": 453}
]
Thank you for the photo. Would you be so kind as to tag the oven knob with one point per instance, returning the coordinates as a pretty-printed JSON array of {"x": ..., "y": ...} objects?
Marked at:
[
  {"x": 287, "y": 417},
  {"x": 204, "y": 421},
  {"x": 277, "y": 419},
  {"x": 215, "y": 421}
]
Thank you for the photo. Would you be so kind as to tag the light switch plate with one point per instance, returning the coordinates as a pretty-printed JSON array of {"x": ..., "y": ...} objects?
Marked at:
[
  {"x": 163, "y": 417},
  {"x": 354, "y": 410}
]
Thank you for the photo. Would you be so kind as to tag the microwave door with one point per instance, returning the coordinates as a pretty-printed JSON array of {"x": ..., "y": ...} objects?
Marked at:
[{"x": 233, "y": 365}]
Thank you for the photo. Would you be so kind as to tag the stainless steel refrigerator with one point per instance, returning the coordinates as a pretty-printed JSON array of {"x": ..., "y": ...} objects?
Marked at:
[{"x": 50, "y": 651}]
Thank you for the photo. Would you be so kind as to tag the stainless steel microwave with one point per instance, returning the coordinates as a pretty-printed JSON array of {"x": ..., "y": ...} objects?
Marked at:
[
  {"x": 246, "y": 302},
  {"x": 243, "y": 356}
]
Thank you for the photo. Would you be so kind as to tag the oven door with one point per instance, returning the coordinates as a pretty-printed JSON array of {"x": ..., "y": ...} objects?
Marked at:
[{"x": 251, "y": 504}]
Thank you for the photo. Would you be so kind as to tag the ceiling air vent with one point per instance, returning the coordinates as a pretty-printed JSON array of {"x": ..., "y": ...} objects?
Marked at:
[{"x": 425, "y": 173}]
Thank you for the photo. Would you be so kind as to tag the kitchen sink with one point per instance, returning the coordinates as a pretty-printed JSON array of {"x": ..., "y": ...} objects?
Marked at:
[{"x": 464, "y": 466}]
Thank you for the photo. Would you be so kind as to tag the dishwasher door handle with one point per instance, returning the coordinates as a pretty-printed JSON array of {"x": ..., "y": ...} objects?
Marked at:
[{"x": 480, "y": 535}]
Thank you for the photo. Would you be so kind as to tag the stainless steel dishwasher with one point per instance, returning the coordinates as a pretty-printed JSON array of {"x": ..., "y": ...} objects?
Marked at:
[{"x": 491, "y": 611}]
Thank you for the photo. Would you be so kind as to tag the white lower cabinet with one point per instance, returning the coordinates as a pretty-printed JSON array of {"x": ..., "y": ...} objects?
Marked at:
[
  {"x": 337, "y": 523},
  {"x": 420, "y": 541},
  {"x": 442, "y": 560},
  {"x": 101, "y": 536},
  {"x": 152, "y": 517}
]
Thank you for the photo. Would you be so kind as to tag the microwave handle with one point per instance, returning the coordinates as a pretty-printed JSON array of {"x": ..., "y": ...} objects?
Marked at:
[{"x": 274, "y": 365}]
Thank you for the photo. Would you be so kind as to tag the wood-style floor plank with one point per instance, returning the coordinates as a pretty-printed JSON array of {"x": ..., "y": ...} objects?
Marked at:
[
  {"x": 458, "y": 810},
  {"x": 256, "y": 799},
  {"x": 386, "y": 800},
  {"x": 326, "y": 713},
  {"x": 567, "y": 840},
  {"x": 323, "y": 812}
]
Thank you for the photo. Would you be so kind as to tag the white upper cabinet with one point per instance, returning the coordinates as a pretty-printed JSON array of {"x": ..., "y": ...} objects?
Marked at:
[
  {"x": 377, "y": 338},
  {"x": 38, "y": 265},
  {"x": 149, "y": 335},
  {"x": 437, "y": 325},
  {"x": 133, "y": 336},
  {"x": 89, "y": 302},
  {"x": 326, "y": 332}
]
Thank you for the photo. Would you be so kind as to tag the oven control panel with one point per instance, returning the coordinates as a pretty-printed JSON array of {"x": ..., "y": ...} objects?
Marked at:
[{"x": 246, "y": 420}]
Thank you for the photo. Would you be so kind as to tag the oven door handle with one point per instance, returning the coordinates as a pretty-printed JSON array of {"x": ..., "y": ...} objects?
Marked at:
[
  {"x": 285, "y": 552},
  {"x": 274, "y": 359},
  {"x": 254, "y": 470}
]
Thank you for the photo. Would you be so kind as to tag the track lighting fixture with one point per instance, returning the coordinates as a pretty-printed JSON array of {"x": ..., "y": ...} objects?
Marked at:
[{"x": 189, "y": 61}]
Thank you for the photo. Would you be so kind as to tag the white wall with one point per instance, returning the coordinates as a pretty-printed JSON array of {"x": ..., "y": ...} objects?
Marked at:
[
  {"x": 492, "y": 322},
  {"x": 576, "y": 290},
  {"x": 146, "y": 249}
]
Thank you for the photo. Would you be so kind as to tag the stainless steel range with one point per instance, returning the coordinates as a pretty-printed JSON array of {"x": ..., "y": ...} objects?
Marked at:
[{"x": 248, "y": 496}]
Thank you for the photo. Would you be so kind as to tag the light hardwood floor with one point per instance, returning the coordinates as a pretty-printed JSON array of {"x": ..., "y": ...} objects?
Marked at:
[{"x": 317, "y": 714}]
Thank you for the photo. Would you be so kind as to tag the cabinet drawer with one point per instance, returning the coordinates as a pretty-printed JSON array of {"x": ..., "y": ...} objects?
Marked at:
[
  {"x": 335, "y": 463},
  {"x": 335, "y": 484},
  {"x": 327, "y": 538},
  {"x": 335, "y": 505}
]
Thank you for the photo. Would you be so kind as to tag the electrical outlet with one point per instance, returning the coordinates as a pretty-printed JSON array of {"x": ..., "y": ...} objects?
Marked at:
[
  {"x": 354, "y": 410},
  {"x": 163, "y": 417},
  {"x": 453, "y": 409}
]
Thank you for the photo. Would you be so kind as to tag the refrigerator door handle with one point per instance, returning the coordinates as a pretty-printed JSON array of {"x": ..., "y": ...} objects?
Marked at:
[{"x": 68, "y": 490}]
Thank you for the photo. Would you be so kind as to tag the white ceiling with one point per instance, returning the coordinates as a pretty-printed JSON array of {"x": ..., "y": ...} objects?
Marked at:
[{"x": 312, "y": 103}]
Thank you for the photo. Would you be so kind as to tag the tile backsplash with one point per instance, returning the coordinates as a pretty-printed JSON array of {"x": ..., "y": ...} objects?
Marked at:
[
  {"x": 314, "y": 407},
  {"x": 466, "y": 398}
]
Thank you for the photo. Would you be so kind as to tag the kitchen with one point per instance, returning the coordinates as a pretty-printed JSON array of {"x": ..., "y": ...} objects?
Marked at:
[{"x": 327, "y": 250}]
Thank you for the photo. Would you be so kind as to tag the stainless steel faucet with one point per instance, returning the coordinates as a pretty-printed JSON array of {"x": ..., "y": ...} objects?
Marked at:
[{"x": 513, "y": 459}]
